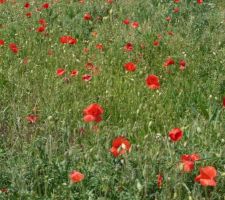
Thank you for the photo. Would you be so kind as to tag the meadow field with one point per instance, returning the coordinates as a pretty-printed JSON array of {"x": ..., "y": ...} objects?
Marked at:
[{"x": 112, "y": 99}]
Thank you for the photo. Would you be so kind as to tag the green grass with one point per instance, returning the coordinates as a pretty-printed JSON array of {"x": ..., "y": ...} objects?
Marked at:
[{"x": 36, "y": 159}]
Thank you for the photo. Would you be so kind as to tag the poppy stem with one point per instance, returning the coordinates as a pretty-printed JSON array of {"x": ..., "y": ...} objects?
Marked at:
[{"x": 206, "y": 194}]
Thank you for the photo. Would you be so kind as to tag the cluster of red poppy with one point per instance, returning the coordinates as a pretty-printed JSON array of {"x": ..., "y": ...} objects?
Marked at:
[
  {"x": 27, "y": 6},
  {"x": 134, "y": 24},
  {"x": 205, "y": 178},
  {"x": 121, "y": 145},
  {"x": 12, "y": 46},
  {"x": 94, "y": 112},
  {"x": 170, "y": 61},
  {"x": 42, "y": 26},
  {"x": 107, "y": 1},
  {"x": 176, "y": 10},
  {"x": 61, "y": 72},
  {"x": 66, "y": 39},
  {"x": 85, "y": 77},
  {"x": 198, "y": 1},
  {"x": 152, "y": 81}
]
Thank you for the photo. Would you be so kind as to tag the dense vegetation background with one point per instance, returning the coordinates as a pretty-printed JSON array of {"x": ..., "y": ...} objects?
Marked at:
[{"x": 37, "y": 158}]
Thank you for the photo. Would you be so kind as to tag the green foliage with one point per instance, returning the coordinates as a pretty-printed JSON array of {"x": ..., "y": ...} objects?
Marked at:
[{"x": 36, "y": 159}]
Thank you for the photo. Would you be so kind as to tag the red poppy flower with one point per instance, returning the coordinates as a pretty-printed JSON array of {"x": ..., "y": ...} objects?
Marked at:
[
  {"x": 94, "y": 34},
  {"x": 76, "y": 176},
  {"x": 207, "y": 176},
  {"x": 45, "y": 6},
  {"x": 135, "y": 24},
  {"x": 13, "y": 47},
  {"x": 87, "y": 16},
  {"x": 90, "y": 66},
  {"x": 93, "y": 113},
  {"x": 86, "y": 77},
  {"x": 171, "y": 33},
  {"x": 168, "y": 18},
  {"x": 159, "y": 36},
  {"x": 168, "y": 62},
  {"x": 32, "y": 118},
  {"x": 120, "y": 146},
  {"x": 128, "y": 47},
  {"x": 188, "y": 161},
  {"x": 2, "y": 1},
  {"x": 68, "y": 40},
  {"x": 40, "y": 29},
  {"x": 156, "y": 43},
  {"x": 126, "y": 21},
  {"x": 2, "y": 42},
  {"x": 176, "y": 1},
  {"x": 199, "y": 1},
  {"x": 176, "y": 134},
  {"x": 176, "y": 10},
  {"x": 159, "y": 180},
  {"x": 27, "y": 5},
  {"x": 42, "y": 22},
  {"x": 152, "y": 81},
  {"x": 74, "y": 73},
  {"x": 182, "y": 64},
  {"x": 25, "y": 61},
  {"x": 29, "y": 14},
  {"x": 60, "y": 72},
  {"x": 4, "y": 190},
  {"x": 85, "y": 50},
  {"x": 194, "y": 157},
  {"x": 109, "y": 1},
  {"x": 99, "y": 46},
  {"x": 130, "y": 66}
]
